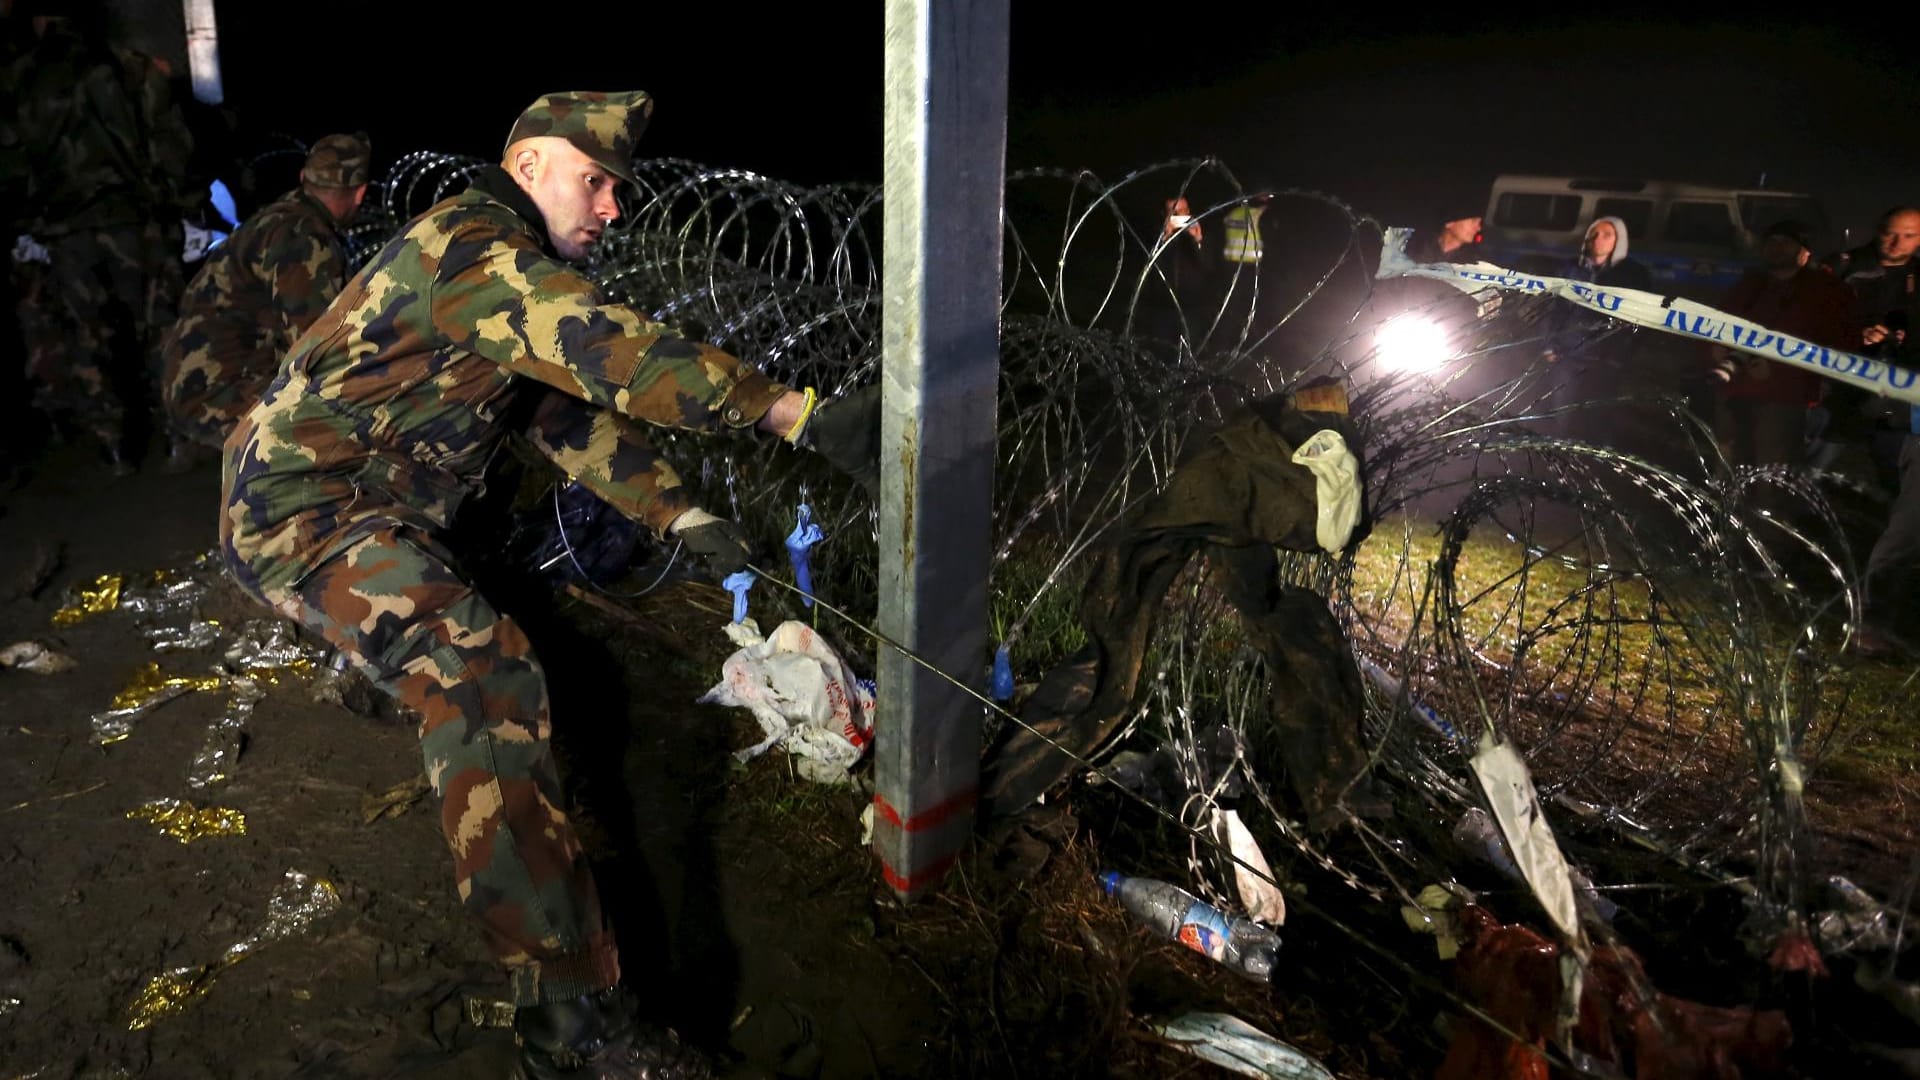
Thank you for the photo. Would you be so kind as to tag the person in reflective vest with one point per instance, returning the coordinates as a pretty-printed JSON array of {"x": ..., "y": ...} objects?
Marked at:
[{"x": 1242, "y": 228}]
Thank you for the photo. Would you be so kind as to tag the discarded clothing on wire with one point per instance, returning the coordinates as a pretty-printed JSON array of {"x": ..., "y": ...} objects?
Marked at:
[{"x": 1278, "y": 476}]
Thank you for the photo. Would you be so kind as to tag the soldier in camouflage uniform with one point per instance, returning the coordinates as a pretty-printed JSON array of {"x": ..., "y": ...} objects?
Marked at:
[
  {"x": 258, "y": 292},
  {"x": 101, "y": 151},
  {"x": 469, "y": 327}
]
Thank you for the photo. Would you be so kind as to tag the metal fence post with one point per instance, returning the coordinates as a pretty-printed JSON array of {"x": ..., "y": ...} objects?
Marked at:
[{"x": 945, "y": 167}]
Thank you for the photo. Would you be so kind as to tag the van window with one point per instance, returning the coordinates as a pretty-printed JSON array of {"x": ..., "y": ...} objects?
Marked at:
[
  {"x": 1522, "y": 210},
  {"x": 1700, "y": 223},
  {"x": 1635, "y": 212},
  {"x": 1758, "y": 212}
]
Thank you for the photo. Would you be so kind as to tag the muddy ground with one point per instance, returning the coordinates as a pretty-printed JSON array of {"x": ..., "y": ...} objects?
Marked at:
[{"x": 750, "y": 915}]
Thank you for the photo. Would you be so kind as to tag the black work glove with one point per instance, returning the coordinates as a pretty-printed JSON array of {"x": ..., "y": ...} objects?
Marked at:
[
  {"x": 846, "y": 431},
  {"x": 721, "y": 543}
]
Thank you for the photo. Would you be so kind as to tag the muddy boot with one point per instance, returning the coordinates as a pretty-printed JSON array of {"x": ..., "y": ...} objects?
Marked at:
[{"x": 597, "y": 1037}]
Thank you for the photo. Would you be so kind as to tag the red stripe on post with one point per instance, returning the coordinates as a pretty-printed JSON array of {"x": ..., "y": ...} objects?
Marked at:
[
  {"x": 930, "y": 818},
  {"x": 931, "y": 872}
]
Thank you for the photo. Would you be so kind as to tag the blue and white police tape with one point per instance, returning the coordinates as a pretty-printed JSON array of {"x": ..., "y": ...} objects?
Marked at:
[{"x": 1669, "y": 314}]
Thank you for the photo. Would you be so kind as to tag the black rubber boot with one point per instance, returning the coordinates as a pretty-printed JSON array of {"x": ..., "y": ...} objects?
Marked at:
[{"x": 597, "y": 1037}]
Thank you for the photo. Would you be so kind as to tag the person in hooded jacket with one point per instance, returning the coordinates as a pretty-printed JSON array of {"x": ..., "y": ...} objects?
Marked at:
[
  {"x": 1591, "y": 350},
  {"x": 1603, "y": 261},
  {"x": 1604, "y": 258}
]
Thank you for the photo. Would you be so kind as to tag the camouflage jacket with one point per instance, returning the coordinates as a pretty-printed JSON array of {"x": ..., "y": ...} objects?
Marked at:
[
  {"x": 388, "y": 410},
  {"x": 97, "y": 139},
  {"x": 261, "y": 289}
]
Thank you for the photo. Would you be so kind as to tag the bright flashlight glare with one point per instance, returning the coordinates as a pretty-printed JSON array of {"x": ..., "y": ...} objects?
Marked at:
[{"x": 1411, "y": 344}]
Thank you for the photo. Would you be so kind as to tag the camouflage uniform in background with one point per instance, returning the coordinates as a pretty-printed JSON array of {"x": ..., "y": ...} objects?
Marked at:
[
  {"x": 462, "y": 332},
  {"x": 102, "y": 151},
  {"x": 256, "y": 294}
]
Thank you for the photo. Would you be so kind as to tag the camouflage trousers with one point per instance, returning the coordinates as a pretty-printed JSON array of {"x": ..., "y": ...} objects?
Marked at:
[
  {"x": 427, "y": 638},
  {"x": 207, "y": 395},
  {"x": 92, "y": 319}
]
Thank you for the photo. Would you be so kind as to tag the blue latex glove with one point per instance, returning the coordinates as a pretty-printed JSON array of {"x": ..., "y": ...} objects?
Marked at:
[
  {"x": 738, "y": 584},
  {"x": 1001, "y": 685},
  {"x": 800, "y": 544}
]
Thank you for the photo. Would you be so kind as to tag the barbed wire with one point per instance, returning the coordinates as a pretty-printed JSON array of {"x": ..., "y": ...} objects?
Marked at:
[{"x": 1658, "y": 633}]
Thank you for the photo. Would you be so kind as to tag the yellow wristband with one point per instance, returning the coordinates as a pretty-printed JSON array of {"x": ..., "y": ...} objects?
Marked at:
[{"x": 806, "y": 413}]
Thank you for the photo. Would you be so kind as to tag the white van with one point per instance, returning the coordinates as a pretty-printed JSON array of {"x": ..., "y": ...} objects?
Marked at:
[{"x": 1696, "y": 240}]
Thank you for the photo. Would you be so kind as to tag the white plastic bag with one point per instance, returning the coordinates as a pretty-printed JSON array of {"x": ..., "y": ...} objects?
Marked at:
[
  {"x": 804, "y": 696},
  {"x": 1336, "y": 487}
]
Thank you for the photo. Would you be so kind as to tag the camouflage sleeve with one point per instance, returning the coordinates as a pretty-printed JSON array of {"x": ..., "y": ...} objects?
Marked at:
[
  {"x": 497, "y": 294},
  {"x": 610, "y": 454},
  {"x": 303, "y": 271},
  {"x": 169, "y": 140}
]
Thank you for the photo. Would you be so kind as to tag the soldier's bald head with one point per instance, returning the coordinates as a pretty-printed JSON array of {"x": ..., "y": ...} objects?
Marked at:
[{"x": 574, "y": 192}]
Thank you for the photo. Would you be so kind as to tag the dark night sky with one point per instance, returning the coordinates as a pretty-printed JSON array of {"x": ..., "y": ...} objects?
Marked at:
[{"x": 1399, "y": 118}]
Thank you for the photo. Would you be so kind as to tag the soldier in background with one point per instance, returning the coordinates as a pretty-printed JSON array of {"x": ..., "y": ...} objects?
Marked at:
[
  {"x": 257, "y": 293},
  {"x": 98, "y": 151},
  {"x": 468, "y": 328}
]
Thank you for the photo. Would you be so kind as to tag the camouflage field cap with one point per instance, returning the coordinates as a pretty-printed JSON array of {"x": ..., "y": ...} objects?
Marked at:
[
  {"x": 338, "y": 161},
  {"x": 603, "y": 126}
]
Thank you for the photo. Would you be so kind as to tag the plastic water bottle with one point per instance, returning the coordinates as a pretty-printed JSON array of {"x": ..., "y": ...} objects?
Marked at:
[{"x": 1178, "y": 915}]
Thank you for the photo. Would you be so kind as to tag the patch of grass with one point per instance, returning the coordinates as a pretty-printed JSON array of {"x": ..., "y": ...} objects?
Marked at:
[{"x": 1033, "y": 595}]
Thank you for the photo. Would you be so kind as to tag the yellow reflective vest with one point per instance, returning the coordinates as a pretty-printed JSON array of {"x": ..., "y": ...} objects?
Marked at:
[{"x": 1242, "y": 228}]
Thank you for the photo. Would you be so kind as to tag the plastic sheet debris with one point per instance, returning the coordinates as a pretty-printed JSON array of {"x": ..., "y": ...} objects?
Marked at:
[
  {"x": 148, "y": 690},
  {"x": 265, "y": 653},
  {"x": 264, "y": 645},
  {"x": 394, "y": 801},
  {"x": 1516, "y": 810},
  {"x": 1857, "y": 922},
  {"x": 34, "y": 657},
  {"x": 1431, "y": 913},
  {"x": 7, "y": 1005},
  {"x": 804, "y": 696},
  {"x": 1477, "y": 832},
  {"x": 489, "y": 1013},
  {"x": 169, "y": 593},
  {"x": 1239, "y": 1047},
  {"x": 103, "y": 595},
  {"x": 295, "y": 905},
  {"x": 800, "y": 542},
  {"x": 195, "y": 634},
  {"x": 219, "y": 752},
  {"x": 186, "y": 822},
  {"x": 1251, "y": 875}
]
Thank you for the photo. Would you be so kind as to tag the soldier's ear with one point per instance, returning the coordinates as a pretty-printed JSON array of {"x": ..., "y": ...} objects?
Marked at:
[{"x": 526, "y": 162}]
